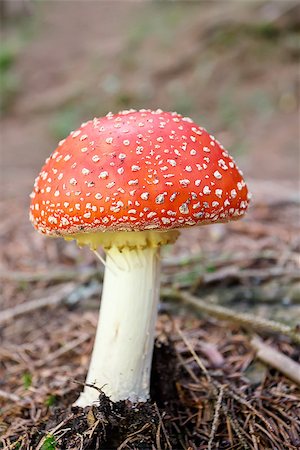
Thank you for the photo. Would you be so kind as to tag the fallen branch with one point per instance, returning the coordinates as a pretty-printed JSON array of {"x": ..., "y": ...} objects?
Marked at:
[
  {"x": 69, "y": 346},
  {"x": 248, "y": 320},
  {"x": 51, "y": 275},
  {"x": 216, "y": 418},
  {"x": 276, "y": 359},
  {"x": 9, "y": 396},
  {"x": 28, "y": 307},
  {"x": 261, "y": 274}
]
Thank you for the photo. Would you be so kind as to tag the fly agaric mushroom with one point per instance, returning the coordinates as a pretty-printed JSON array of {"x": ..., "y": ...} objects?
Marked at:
[{"x": 128, "y": 182}]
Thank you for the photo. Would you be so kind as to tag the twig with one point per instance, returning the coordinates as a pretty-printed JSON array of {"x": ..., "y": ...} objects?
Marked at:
[
  {"x": 253, "y": 436},
  {"x": 128, "y": 439},
  {"x": 53, "y": 431},
  {"x": 247, "y": 320},
  {"x": 243, "y": 401},
  {"x": 262, "y": 274},
  {"x": 9, "y": 396},
  {"x": 54, "y": 275},
  {"x": 196, "y": 357},
  {"x": 62, "y": 350},
  {"x": 161, "y": 425},
  {"x": 90, "y": 432},
  {"x": 212, "y": 354},
  {"x": 236, "y": 427},
  {"x": 216, "y": 418},
  {"x": 28, "y": 307},
  {"x": 276, "y": 359}
]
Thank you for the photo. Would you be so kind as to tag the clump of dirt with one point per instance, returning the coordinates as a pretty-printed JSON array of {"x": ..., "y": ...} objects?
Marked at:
[
  {"x": 164, "y": 373},
  {"x": 108, "y": 425},
  {"x": 121, "y": 424}
]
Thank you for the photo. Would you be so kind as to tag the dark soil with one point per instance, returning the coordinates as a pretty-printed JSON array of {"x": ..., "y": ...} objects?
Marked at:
[
  {"x": 123, "y": 424},
  {"x": 106, "y": 426}
]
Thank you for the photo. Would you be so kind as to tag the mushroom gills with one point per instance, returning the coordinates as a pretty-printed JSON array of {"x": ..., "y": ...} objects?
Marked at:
[{"x": 124, "y": 239}]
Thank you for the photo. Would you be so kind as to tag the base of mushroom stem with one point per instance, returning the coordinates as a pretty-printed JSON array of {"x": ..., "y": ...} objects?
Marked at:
[{"x": 122, "y": 355}]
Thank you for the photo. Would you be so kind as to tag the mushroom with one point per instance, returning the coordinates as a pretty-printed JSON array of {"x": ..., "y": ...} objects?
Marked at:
[{"x": 128, "y": 182}]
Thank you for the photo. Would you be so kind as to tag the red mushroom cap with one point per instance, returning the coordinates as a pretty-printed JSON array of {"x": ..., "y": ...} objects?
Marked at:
[{"x": 135, "y": 171}]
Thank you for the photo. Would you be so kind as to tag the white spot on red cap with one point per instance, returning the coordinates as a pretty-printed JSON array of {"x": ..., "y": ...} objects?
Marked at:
[
  {"x": 184, "y": 209},
  {"x": 184, "y": 182},
  {"x": 135, "y": 168},
  {"x": 217, "y": 175},
  {"x": 173, "y": 196},
  {"x": 133, "y": 182},
  {"x": 160, "y": 198},
  {"x": 172, "y": 162}
]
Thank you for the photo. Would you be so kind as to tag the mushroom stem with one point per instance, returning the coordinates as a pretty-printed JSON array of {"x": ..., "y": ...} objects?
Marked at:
[{"x": 122, "y": 354}]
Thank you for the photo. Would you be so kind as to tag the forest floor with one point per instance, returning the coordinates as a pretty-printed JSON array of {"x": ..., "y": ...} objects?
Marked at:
[{"x": 214, "y": 383}]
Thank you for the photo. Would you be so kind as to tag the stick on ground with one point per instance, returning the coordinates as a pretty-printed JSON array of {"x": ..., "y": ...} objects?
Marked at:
[
  {"x": 276, "y": 359},
  {"x": 28, "y": 307},
  {"x": 247, "y": 320}
]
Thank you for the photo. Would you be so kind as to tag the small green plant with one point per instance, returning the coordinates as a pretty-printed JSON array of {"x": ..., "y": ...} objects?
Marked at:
[
  {"x": 64, "y": 120},
  {"x": 11, "y": 47},
  {"x": 210, "y": 268},
  {"x": 9, "y": 81},
  {"x": 8, "y": 54},
  {"x": 27, "y": 380},
  {"x": 50, "y": 400},
  {"x": 49, "y": 443}
]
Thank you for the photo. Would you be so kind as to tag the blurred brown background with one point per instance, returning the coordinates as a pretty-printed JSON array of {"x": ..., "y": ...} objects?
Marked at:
[{"x": 232, "y": 66}]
